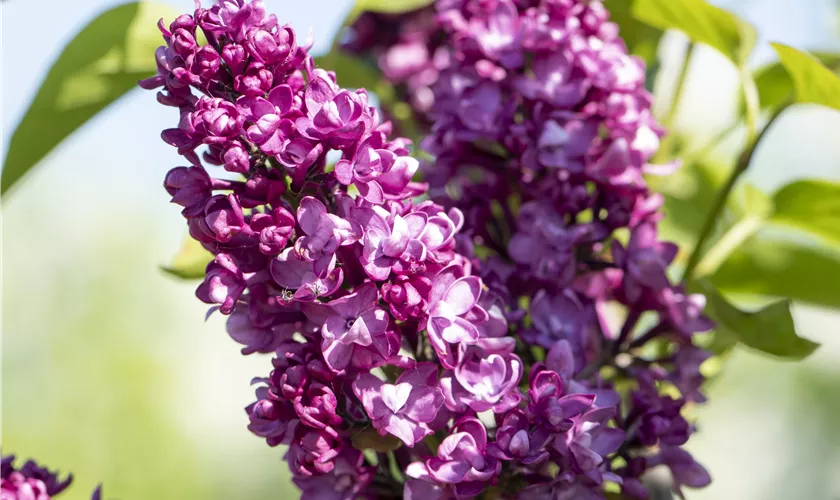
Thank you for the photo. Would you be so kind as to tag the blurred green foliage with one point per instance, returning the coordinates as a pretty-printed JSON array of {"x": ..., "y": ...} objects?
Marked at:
[
  {"x": 101, "y": 64},
  {"x": 703, "y": 23},
  {"x": 97, "y": 372},
  {"x": 813, "y": 81}
]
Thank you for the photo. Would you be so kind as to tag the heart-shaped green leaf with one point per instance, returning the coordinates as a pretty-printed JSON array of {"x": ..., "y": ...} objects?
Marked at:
[
  {"x": 813, "y": 81},
  {"x": 810, "y": 205},
  {"x": 102, "y": 62},
  {"x": 770, "y": 330},
  {"x": 701, "y": 22}
]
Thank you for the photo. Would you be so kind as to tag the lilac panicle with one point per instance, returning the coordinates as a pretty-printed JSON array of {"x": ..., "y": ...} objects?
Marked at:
[
  {"x": 403, "y": 316},
  {"x": 541, "y": 130},
  {"x": 336, "y": 269}
]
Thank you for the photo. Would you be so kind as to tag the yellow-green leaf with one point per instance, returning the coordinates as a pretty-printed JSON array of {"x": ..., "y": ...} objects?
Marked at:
[
  {"x": 190, "y": 261},
  {"x": 99, "y": 65},
  {"x": 813, "y": 81},
  {"x": 642, "y": 39},
  {"x": 701, "y": 22},
  {"x": 778, "y": 268},
  {"x": 775, "y": 86},
  {"x": 810, "y": 205}
]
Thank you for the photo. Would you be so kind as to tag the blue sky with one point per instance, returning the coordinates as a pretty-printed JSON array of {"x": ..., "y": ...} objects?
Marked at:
[{"x": 809, "y": 24}]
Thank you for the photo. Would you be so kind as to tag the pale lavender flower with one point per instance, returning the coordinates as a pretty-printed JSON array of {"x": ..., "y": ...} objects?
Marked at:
[
  {"x": 486, "y": 378},
  {"x": 589, "y": 441},
  {"x": 338, "y": 117},
  {"x": 274, "y": 230},
  {"x": 551, "y": 406},
  {"x": 451, "y": 299}
]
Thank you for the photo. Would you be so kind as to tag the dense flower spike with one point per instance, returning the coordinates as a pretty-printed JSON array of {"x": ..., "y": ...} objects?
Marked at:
[
  {"x": 541, "y": 129},
  {"x": 403, "y": 316}
]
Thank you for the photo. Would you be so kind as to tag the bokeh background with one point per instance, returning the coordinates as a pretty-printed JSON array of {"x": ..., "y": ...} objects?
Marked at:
[{"x": 109, "y": 369}]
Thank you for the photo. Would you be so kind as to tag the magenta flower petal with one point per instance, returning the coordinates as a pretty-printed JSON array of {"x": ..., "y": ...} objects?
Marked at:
[
  {"x": 463, "y": 294},
  {"x": 309, "y": 214}
]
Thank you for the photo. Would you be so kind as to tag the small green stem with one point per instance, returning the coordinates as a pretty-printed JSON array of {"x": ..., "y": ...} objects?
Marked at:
[
  {"x": 751, "y": 101},
  {"x": 668, "y": 122},
  {"x": 734, "y": 237},
  {"x": 394, "y": 468},
  {"x": 664, "y": 153},
  {"x": 722, "y": 195}
]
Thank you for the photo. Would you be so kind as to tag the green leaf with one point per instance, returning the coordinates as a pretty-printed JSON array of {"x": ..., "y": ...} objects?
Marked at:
[
  {"x": 775, "y": 86},
  {"x": 103, "y": 62},
  {"x": 369, "y": 438},
  {"x": 770, "y": 330},
  {"x": 750, "y": 207},
  {"x": 642, "y": 39},
  {"x": 190, "y": 261},
  {"x": 701, "y": 22},
  {"x": 813, "y": 81},
  {"x": 782, "y": 269},
  {"x": 811, "y": 205}
]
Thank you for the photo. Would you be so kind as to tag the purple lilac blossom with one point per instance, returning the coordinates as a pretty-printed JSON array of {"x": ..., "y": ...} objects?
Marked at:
[
  {"x": 337, "y": 270},
  {"x": 367, "y": 286},
  {"x": 541, "y": 128}
]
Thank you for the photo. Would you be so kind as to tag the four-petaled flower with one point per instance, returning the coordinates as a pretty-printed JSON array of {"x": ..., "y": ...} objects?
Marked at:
[
  {"x": 452, "y": 305},
  {"x": 352, "y": 320},
  {"x": 403, "y": 409},
  {"x": 325, "y": 232}
]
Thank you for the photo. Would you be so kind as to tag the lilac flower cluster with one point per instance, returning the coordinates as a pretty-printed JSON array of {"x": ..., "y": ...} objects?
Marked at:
[
  {"x": 32, "y": 481},
  {"x": 541, "y": 131},
  {"x": 421, "y": 351},
  {"x": 334, "y": 268}
]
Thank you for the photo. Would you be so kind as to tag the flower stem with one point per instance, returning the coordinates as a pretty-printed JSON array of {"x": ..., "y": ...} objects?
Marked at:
[
  {"x": 665, "y": 150},
  {"x": 668, "y": 122},
  {"x": 753, "y": 139}
]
